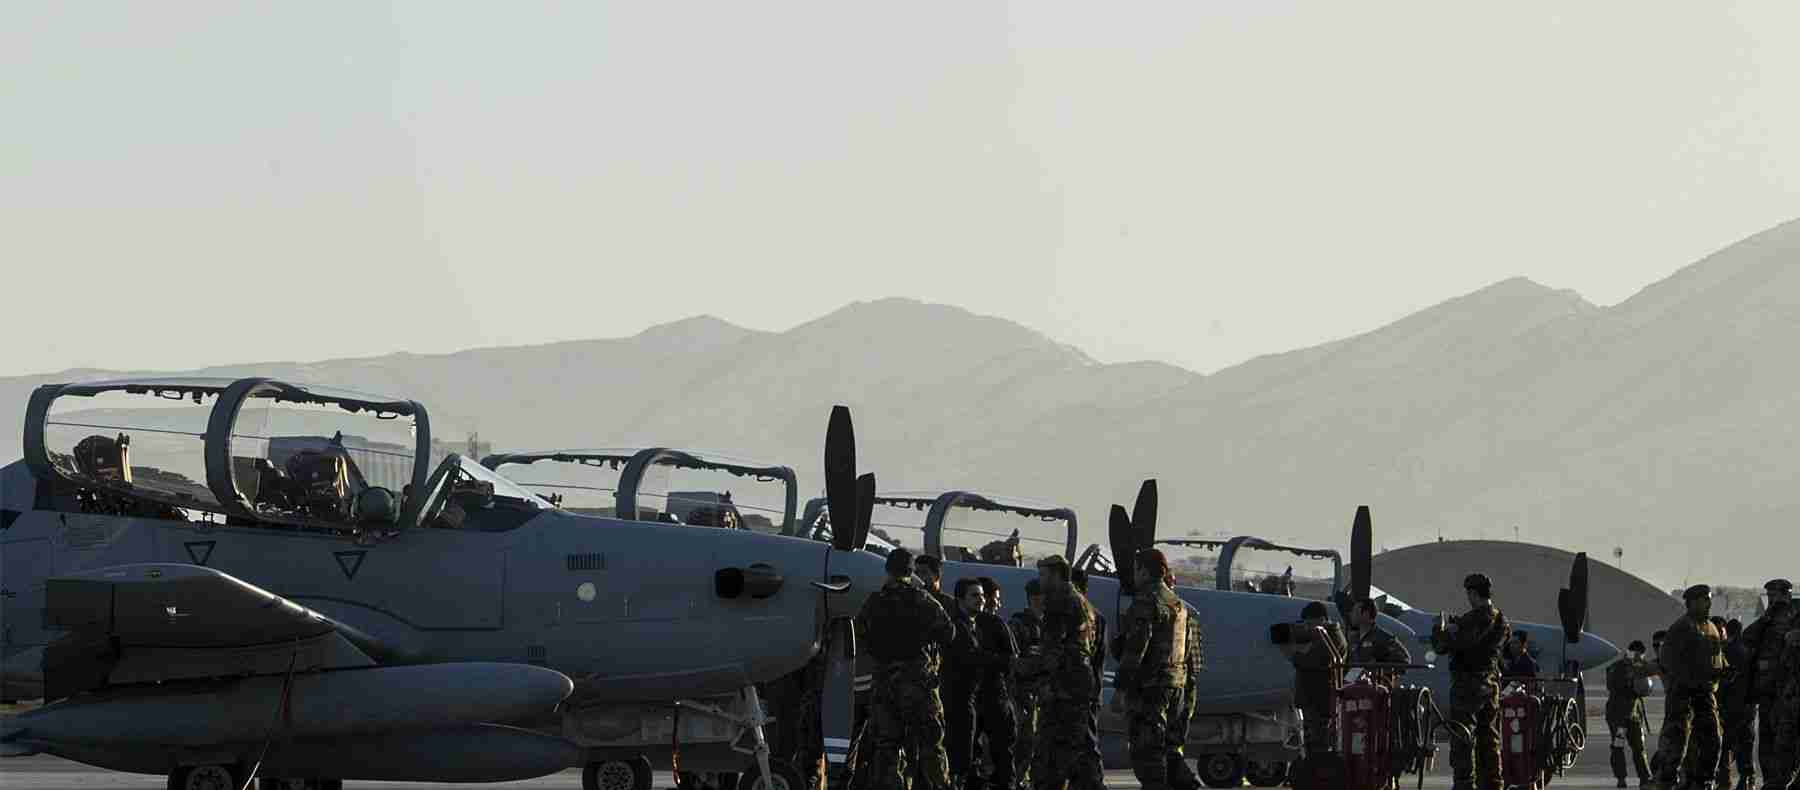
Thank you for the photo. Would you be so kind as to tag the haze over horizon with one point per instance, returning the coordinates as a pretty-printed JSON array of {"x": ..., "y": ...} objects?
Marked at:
[{"x": 1196, "y": 185}]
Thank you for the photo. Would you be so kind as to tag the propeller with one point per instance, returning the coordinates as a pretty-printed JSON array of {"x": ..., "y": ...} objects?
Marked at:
[
  {"x": 1362, "y": 541},
  {"x": 1143, "y": 516},
  {"x": 1120, "y": 534},
  {"x": 865, "y": 509},
  {"x": 841, "y": 485},
  {"x": 1572, "y": 602}
]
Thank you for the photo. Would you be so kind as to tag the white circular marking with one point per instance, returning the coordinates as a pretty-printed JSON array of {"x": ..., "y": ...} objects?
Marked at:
[{"x": 586, "y": 592}]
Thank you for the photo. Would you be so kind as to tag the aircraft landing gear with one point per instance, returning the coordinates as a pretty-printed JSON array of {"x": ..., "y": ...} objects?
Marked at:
[
  {"x": 1263, "y": 774},
  {"x": 204, "y": 777},
  {"x": 617, "y": 775},
  {"x": 785, "y": 777},
  {"x": 1221, "y": 770}
]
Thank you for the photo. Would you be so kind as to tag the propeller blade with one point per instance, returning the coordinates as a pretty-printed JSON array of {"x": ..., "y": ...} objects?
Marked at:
[
  {"x": 1362, "y": 542},
  {"x": 865, "y": 508},
  {"x": 1143, "y": 516},
  {"x": 1572, "y": 603},
  {"x": 840, "y": 477},
  {"x": 1124, "y": 549}
]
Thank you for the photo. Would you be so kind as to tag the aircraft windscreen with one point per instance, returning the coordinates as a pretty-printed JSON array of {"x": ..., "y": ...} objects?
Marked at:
[
  {"x": 972, "y": 534},
  {"x": 668, "y": 492},
  {"x": 142, "y": 444},
  {"x": 1253, "y": 569},
  {"x": 315, "y": 461}
]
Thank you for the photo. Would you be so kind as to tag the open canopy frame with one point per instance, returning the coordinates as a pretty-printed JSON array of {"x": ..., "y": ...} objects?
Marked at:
[
  {"x": 937, "y": 511},
  {"x": 228, "y": 487},
  {"x": 636, "y": 463}
]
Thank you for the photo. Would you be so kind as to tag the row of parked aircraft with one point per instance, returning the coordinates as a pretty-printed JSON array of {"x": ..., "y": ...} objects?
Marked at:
[{"x": 227, "y": 580}]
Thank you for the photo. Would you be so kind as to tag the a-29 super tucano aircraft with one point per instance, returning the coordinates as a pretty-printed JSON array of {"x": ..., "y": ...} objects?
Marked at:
[{"x": 215, "y": 579}]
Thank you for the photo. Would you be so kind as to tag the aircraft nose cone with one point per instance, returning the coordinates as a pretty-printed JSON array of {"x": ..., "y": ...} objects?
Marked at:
[{"x": 1592, "y": 651}]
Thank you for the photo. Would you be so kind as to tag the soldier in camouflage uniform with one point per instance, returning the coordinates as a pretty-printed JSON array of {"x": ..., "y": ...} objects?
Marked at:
[
  {"x": 1764, "y": 641},
  {"x": 1070, "y": 692},
  {"x": 900, "y": 625},
  {"x": 1371, "y": 644},
  {"x": 1625, "y": 713},
  {"x": 1317, "y": 653},
  {"x": 997, "y": 721},
  {"x": 1152, "y": 676},
  {"x": 1693, "y": 659},
  {"x": 1784, "y": 747},
  {"x": 1473, "y": 641},
  {"x": 1181, "y": 777},
  {"x": 1737, "y": 738},
  {"x": 1028, "y": 633}
]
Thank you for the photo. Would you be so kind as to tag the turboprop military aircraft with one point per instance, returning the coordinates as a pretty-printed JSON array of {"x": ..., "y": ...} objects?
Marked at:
[
  {"x": 1247, "y": 727},
  {"x": 220, "y": 580},
  {"x": 1575, "y": 648}
]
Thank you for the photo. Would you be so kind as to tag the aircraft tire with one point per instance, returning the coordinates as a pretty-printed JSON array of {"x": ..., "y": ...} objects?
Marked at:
[
  {"x": 1266, "y": 774},
  {"x": 203, "y": 777},
  {"x": 633, "y": 774},
  {"x": 786, "y": 777},
  {"x": 1220, "y": 769}
]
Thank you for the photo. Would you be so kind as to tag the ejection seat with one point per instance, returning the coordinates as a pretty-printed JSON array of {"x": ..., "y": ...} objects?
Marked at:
[
  {"x": 101, "y": 458},
  {"x": 319, "y": 482}
]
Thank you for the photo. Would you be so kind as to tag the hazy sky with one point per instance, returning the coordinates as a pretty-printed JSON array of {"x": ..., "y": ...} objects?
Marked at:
[{"x": 1193, "y": 182}]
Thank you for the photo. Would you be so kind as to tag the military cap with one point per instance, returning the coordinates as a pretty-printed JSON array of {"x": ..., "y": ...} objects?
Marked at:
[
  {"x": 1636, "y": 646},
  {"x": 1034, "y": 587},
  {"x": 1697, "y": 592},
  {"x": 1054, "y": 561},
  {"x": 1314, "y": 610},
  {"x": 1779, "y": 585},
  {"x": 1479, "y": 582}
]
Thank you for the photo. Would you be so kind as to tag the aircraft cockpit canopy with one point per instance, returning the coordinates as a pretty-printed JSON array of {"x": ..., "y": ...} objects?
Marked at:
[
  {"x": 127, "y": 446},
  {"x": 466, "y": 495},
  {"x": 959, "y": 526},
  {"x": 1250, "y": 564},
  {"x": 659, "y": 484},
  {"x": 256, "y": 450}
]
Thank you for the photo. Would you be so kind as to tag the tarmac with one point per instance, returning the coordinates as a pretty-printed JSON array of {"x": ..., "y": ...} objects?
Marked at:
[{"x": 1592, "y": 770}]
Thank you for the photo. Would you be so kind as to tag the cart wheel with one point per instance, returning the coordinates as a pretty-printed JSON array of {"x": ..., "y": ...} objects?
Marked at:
[
  {"x": 204, "y": 777},
  {"x": 785, "y": 777},
  {"x": 633, "y": 774},
  {"x": 1220, "y": 769},
  {"x": 1266, "y": 774}
]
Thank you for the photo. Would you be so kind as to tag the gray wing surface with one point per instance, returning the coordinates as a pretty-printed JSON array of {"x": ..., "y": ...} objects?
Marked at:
[{"x": 154, "y": 622}]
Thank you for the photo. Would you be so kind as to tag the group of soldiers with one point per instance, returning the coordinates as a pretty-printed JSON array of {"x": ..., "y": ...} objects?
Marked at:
[
  {"x": 1729, "y": 688},
  {"x": 950, "y": 675}
]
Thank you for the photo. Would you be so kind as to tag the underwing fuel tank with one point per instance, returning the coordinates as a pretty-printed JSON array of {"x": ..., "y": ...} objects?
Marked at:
[
  {"x": 385, "y": 699},
  {"x": 469, "y": 753}
]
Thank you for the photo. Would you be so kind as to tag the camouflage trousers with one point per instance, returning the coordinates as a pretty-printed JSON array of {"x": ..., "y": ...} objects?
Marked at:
[
  {"x": 1180, "y": 724},
  {"x": 1063, "y": 748},
  {"x": 1627, "y": 728},
  {"x": 1782, "y": 750},
  {"x": 1149, "y": 713},
  {"x": 1475, "y": 704},
  {"x": 1737, "y": 741},
  {"x": 1690, "y": 721},
  {"x": 1025, "y": 708},
  {"x": 906, "y": 716}
]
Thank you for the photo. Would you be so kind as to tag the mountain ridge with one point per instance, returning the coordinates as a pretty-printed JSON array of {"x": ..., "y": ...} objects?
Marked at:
[{"x": 1660, "y": 422}]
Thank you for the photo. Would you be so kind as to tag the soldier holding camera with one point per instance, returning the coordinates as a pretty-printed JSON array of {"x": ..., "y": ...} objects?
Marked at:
[{"x": 1473, "y": 641}]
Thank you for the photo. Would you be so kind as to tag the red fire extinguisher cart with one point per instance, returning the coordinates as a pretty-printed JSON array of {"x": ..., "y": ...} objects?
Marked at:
[
  {"x": 1521, "y": 764},
  {"x": 1365, "y": 737}
]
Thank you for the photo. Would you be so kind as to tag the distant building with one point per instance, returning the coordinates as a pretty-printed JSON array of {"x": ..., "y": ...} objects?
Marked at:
[{"x": 1527, "y": 577}]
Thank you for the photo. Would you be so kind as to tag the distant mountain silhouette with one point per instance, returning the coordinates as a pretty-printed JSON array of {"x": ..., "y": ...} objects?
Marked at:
[{"x": 1663, "y": 425}]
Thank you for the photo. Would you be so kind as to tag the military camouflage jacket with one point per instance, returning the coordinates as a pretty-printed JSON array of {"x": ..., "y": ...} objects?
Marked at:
[
  {"x": 902, "y": 622},
  {"x": 1315, "y": 668},
  {"x": 1764, "y": 641},
  {"x": 1377, "y": 646},
  {"x": 1028, "y": 634},
  {"x": 1071, "y": 640},
  {"x": 1196, "y": 647},
  {"x": 1154, "y": 642},
  {"x": 1693, "y": 654},
  {"x": 1475, "y": 647}
]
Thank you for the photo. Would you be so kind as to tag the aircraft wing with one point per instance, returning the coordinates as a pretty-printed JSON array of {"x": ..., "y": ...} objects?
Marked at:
[{"x": 153, "y": 622}]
